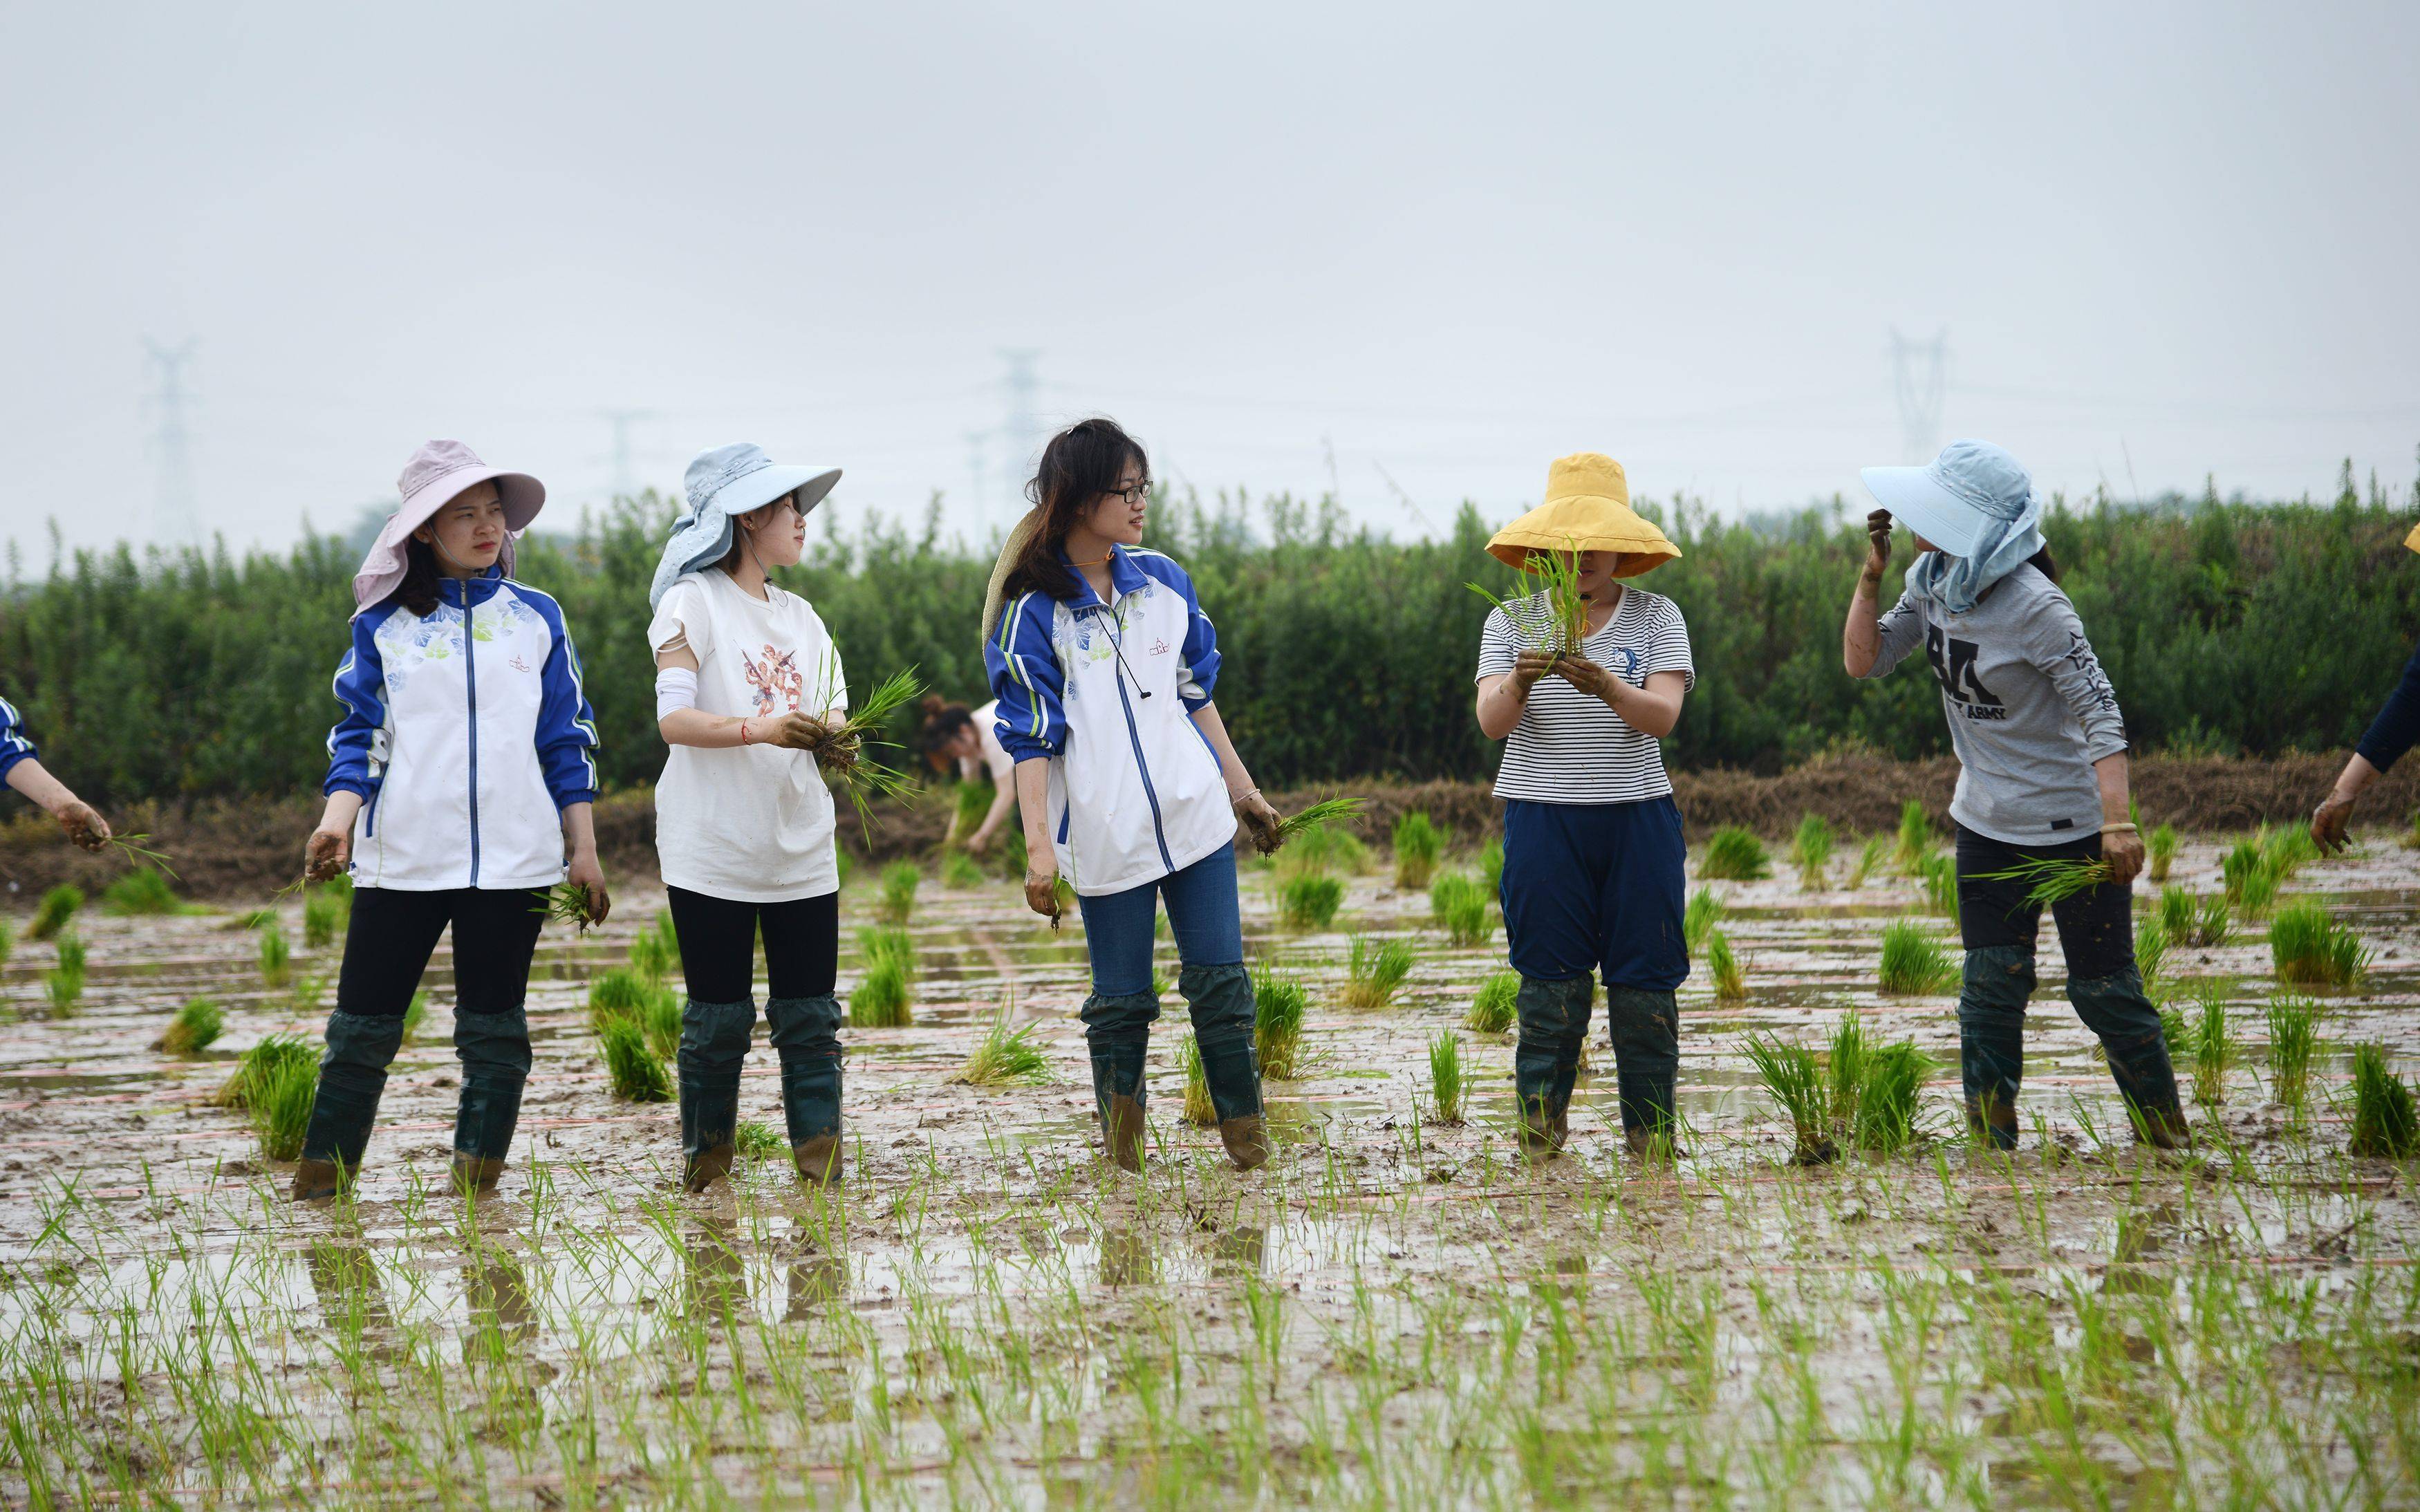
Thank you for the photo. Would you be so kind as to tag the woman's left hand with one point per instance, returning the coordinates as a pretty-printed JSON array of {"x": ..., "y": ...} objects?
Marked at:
[
  {"x": 1584, "y": 675},
  {"x": 1262, "y": 820},
  {"x": 2123, "y": 851},
  {"x": 585, "y": 870}
]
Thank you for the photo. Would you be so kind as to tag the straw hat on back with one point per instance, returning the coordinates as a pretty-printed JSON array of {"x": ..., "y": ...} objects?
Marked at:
[{"x": 1586, "y": 509}]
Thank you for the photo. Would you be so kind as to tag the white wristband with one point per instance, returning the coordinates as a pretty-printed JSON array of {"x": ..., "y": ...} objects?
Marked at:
[{"x": 676, "y": 688}]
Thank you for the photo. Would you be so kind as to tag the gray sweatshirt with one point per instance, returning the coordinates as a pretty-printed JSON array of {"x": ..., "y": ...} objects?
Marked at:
[{"x": 2029, "y": 708}]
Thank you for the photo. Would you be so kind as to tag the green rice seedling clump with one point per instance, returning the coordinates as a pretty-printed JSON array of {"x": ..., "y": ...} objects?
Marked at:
[
  {"x": 659, "y": 1018},
  {"x": 1491, "y": 866},
  {"x": 1308, "y": 902},
  {"x": 2176, "y": 1032},
  {"x": 1939, "y": 872},
  {"x": 1445, "y": 1077},
  {"x": 1871, "y": 856},
  {"x": 196, "y": 1028},
  {"x": 973, "y": 803},
  {"x": 892, "y": 945},
  {"x": 324, "y": 914},
  {"x": 651, "y": 957},
  {"x": 141, "y": 891},
  {"x": 1373, "y": 969},
  {"x": 1844, "y": 1068},
  {"x": 2214, "y": 923},
  {"x": 57, "y": 906},
  {"x": 258, "y": 1064},
  {"x": 279, "y": 1102},
  {"x": 1810, "y": 850},
  {"x": 2385, "y": 1121},
  {"x": 621, "y": 990},
  {"x": 959, "y": 870},
  {"x": 7, "y": 941},
  {"x": 2177, "y": 914},
  {"x": 632, "y": 1068},
  {"x": 1730, "y": 982},
  {"x": 879, "y": 1000},
  {"x": 1914, "y": 842},
  {"x": 1890, "y": 1096},
  {"x": 1795, "y": 1081},
  {"x": 1325, "y": 814},
  {"x": 2160, "y": 851},
  {"x": 1496, "y": 1005},
  {"x": 1461, "y": 905},
  {"x": 755, "y": 1139},
  {"x": 1279, "y": 1006},
  {"x": 1319, "y": 852},
  {"x": 1698, "y": 921},
  {"x": 2293, "y": 1043},
  {"x": 2308, "y": 945},
  {"x": 277, "y": 956},
  {"x": 1418, "y": 845},
  {"x": 1912, "y": 960},
  {"x": 899, "y": 883},
  {"x": 2214, "y": 1046},
  {"x": 64, "y": 983},
  {"x": 1004, "y": 1054},
  {"x": 2150, "y": 949},
  {"x": 1734, "y": 855},
  {"x": 1199, "y": 1110},
  {"x": 414, "y": 1014}
]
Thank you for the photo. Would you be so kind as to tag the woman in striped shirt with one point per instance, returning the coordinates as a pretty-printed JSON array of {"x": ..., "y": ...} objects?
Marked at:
[{"x": 1592, "y": 850}]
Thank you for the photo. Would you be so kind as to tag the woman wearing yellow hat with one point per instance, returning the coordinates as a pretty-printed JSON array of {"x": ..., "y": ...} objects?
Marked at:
[
  {"x": 2392, "y": 732},
  {"x": 1592, "y": 850}
]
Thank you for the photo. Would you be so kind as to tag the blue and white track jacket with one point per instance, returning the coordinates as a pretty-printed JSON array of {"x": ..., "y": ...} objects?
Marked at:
[
  {"x": 1107, "y": 692},
  {"x": 465, "y": 737},
  {"x": 15, "y": 745}
]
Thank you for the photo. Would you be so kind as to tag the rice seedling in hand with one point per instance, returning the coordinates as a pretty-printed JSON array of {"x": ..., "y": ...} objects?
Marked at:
[
  {"x": 1418, "y": 845},
  {"x": 323, "y": 914},
  {"x": 1491, "y": 867},
  {"x": 64, "y": 983},
  {"x": 2214, "y": 1044},
  {"x": 1445, "y": 1076},
  {"x": 1704, "y": 912},
  {"x": 1871, "y": 856},
  {"x": 141, "y": 891},
  {"x": 900, "y": 880},
  {"x": 1320, "y": 815},
  {"x": 1004, "y": 1054},
  {"x": 570, "y": 902},
  {"x": 1734, "y": 855},
  {"x": 2050, "y": 879},
  {"x": 1199, "y": 1110},
  {"x": 842, "y": 751},
  {"x": 1495, "y": 1008},
  {"x": 755, "y": 1139},
  {"x": 414, "y": 1014},
  {"x": 193, "y": 1030},
  {"x": 1912, "y": 960},
  {"x": 1810, "y": 850},
  {"x": 1894, "y": 1077},
  {"x": 1373, "y": 970},
  {"x": 57, "y": 906},
  {"x": 1790, "y": 1073},
  {"x": 2307, "y": 944},
  {"x": 1551, "y": 619},
  {"x": 2386, "y": 1123},
  {"x": 879, "y": 1000},
  {"x": 2150, "y": 951},
  {"x": 257, "y": 1065},
  {"x": 1279, "y": 1007},
  {"x": 1461, "y": 906},
  {"x": 635, "y": 1073},
  {"x": 959, "y": 870},
  {"x": 2160, "y": 851},
  {"x": 1308, "y": 902},
  {"x": 279, "y": 1102},
  {"x": 1730, "y": 982},
  {"x": 1940, "y": 873},
  {"x": 1914, "y": 842},
  {"x": 2293, "y": 1040},
  {"x": 1844, "y": 1068}
]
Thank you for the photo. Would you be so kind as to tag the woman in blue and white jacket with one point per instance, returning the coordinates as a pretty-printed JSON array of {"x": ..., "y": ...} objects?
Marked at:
[
  {"x": 1104, "y": 663},
  {"x": 459, "y": 784}
]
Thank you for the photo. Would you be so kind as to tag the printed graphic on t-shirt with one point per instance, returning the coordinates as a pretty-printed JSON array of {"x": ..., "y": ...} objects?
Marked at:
[
  {"x": 775, "y": 680},
  {"x": 2079, "y": 656},
  {"x": 1953, "y": 663}
]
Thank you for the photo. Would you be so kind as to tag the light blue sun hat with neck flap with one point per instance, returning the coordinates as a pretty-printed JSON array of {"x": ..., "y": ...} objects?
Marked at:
[
  {"x": 1974, "y": 505},
  {"x": 721, "y": 484}
]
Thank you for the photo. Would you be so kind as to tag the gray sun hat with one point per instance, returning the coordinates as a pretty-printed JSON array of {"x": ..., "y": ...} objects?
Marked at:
[
  {"x": 721, "y": 484},
  {"x": 1976, "y": 505}
]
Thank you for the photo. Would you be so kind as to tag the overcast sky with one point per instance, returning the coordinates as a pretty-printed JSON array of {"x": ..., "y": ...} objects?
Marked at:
[{"x": 1285, "y": 245}]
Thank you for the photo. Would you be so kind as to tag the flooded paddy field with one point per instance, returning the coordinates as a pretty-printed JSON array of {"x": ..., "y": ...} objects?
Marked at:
[{"x": 1395, "y": 1310}]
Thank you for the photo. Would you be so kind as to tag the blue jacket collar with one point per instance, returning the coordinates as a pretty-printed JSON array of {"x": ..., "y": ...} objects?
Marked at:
[
  {"x": 471, "y": 590},
  {"x": 1125, "y": 577}
]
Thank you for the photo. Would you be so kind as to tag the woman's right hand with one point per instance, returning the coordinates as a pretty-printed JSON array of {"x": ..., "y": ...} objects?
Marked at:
[
  {"x": 326, "y": 852},
  {"x": 798, "y": 732},
  {"x": 1878, "y": 537},
  {"x": 1527, "y": 669},
  {"x": 1042, "y": 890}
]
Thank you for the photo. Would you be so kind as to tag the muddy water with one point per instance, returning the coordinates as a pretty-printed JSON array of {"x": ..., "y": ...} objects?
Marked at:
[{"x": 1395, "y": 1309}]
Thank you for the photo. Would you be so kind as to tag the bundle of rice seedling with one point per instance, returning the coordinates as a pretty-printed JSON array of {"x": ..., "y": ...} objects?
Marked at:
[
  {"x": 2213, "y": 1043},
  {"x": 1730, "y": 982},
  {"x": 2177, "y": 1033},
  {"x": 2293, "y": 1040},
  {"x": 2309, "y": 946},
  {"x": 2177, "y": 914},
  {"x": 2212, "y": 925},
  {"x": 254, "y": 1067},
  {"x": 1869, "y": 859},
  {"x": 1914, "y": 839},
  {"x": 141, "y": 891},
  {"x": 1704, "y": 912},
  {"x": 1734, "y": 855},
  {"x": 1004, "y": 1054},
  {"x": 193, "y": 1030},
  {"x": 1810, "y": 850},
  {"x": 892, "y": 945},
  {"x": 1279, "y": 1007},
  {"x": 842, "y": 751},
  {"x": 620, "y": 989},
  {"x": 414, "y": 1014},
  {"x": 569, "y": 903},
  {"x": 1199, "y": 1110},
  {"x": 1321, "y": 815},
  {"x": 1461, "y": 905},
  {"x": 2160, "y": 851},
  {"x": 650, "y": 957},
  {"x": 1374, "y": 970},
  {"x": 325, "y": 915},
  {"x": 660, "y": 1019},
  {"x": 1845, "y": 1068},
  {"x": 133, "y": 848},
  {"x": 1912, "y": 960},
  {"x": 1790, "y": 1073},
  {"x": 7, "y": 941},
  {"x": 1308, "y": 902},
  {"x": 1491, "y": 866},
  {"x": 1418, "y": 845},
  {"x": 2050, "y": 879},
  {"x": 2150, "y": 951},
  {"x": 64, "y": 983},
  {"x": 959, "y": 872},
  {"x": 632, "y": 1068},
  {"x": 1894, "y": 1077},
  {"x": 1940, "y": 873},
  {"x": 2386, "y": 1123},
  {"x": 879, "y": 1000},
  {"x": 900, "y": 880},
  {"x": 1496, "y": 1007},
  {"x": 1445, "y": 1077},
  {"x": 57, "y": 906},
  {"x": 755, "y": 1139},
  {"x": 279, "y": 1100},
  {"x": 1552, "y": 619}
]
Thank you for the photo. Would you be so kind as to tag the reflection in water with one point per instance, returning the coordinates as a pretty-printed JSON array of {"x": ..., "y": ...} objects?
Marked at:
[
  {"x": 714, "y": 1276},
  {"x": 1128, "y": 1259},
  {"x": 1240, "y": 1249},
  {"x": 496, "y": 1291},
  {"x": 815, "y": 1281},
  {"x": 345, "y": 1278},
  {"x": 1565, "y": 1263},
  {"x": 2142, "y": 1232}
]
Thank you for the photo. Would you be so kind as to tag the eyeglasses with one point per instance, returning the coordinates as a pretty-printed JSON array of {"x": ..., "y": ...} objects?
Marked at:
[{"x": 1133, "y": 496}]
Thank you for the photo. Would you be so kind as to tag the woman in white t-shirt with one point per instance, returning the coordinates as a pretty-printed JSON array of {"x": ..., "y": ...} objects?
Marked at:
[
  {"x": 747, "y": 687},
  {"x": 953, "y": 732}
]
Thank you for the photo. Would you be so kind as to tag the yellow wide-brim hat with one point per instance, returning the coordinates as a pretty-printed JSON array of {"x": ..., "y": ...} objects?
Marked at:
[
  {"x": 2411, "y": 542},
  {"x": 1586, "y": 509}
]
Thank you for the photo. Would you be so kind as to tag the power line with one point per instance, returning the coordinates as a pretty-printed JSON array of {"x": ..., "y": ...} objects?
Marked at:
[
  {"x": 175, "y": 501},
  {"x": 1919, "y": 381},
  {"x": 624, "y": 482}
]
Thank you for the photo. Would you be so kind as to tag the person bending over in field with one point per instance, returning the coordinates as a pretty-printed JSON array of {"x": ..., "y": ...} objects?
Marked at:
[
  {"x": 952, "y": 732},
  {"x": 2042, "y": 773},
  {"x": 1581, "y": 681},
  {"x": 459, "y": 788},
  {"x": 2391, "y": 732},
  {"x": 21, "y": 767},
  {"x": 1104, "y": 663},
  {"x": 747, "y": 684}
]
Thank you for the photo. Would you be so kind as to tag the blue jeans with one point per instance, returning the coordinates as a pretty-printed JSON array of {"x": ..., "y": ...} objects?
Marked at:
[
  {"x": 1217, "y": 990},
  {"x": 1202, "y": 914}
]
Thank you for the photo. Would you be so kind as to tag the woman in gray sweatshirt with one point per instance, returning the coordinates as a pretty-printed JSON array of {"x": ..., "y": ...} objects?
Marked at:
[{"x": 2041, "y": 757}]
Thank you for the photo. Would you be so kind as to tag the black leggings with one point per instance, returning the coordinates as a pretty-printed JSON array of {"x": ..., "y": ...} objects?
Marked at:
[
  {"x": 394, "y": 933},
  {"x": 2096, "y": 927},
  {"x": 718, "y": 945}
]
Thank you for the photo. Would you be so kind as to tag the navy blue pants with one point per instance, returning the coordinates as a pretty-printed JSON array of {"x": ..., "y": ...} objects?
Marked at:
[{"x": 1596, "y": 887}]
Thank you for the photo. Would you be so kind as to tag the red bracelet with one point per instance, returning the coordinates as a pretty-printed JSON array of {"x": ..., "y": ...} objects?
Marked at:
[{"x": 743, "y": 731}]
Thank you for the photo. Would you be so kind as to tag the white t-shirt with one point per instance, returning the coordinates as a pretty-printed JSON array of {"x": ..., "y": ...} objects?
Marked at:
[
  {"x": 994, "y": 760},
  {"x": 752, "y": 823},
  {"x": 1570, "y": 748}
]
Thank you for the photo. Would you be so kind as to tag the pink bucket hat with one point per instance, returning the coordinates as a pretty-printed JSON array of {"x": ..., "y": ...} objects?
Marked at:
[{"x": 434, "y": 477}]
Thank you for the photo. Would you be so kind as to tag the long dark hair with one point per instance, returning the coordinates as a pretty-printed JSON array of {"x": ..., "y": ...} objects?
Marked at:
[
  {"x": 1081, "y": 463},
  {"x": 2043, "y": 562},
  {"x": 942, "y": 722},
  {"x": 418, "y": 590}
]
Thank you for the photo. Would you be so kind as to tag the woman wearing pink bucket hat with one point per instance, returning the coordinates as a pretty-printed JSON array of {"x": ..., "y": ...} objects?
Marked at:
[{"x": 459, "y": 785}]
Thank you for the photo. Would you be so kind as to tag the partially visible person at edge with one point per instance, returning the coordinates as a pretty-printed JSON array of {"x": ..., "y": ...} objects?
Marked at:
[
  {"x": 459, "y": 787},
  {"x": 2042, "y": 773},
  {"x": 1593, "y": 855},
  {"x": 21, "y": 767},
  {"x": 747, "y": 687},
  {"x": 2391, "y": 732},
  {"x": 1104, "y": 665},
  {"x": 952, "y": 732}
]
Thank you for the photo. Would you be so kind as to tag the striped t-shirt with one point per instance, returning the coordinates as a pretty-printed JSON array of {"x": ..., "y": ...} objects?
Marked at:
[{"x": 1570, "y": 748}]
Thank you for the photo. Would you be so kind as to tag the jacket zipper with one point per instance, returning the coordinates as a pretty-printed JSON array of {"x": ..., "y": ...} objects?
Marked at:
[
  {"x": 471, "y": 687},
  {"x": 1134, "y": 738}
]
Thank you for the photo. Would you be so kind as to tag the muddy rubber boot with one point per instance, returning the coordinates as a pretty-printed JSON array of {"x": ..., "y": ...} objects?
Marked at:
[
  {"x": 805, "y": 1032},
  {"x": 1553, "y": 1017},
  {"x": 1998, "y": 983},
  {"x": 494, "y": 1049},
  {"x": 1220, "y": 1001},
  {"x": 1644, "y": 1028},
  {"x": 1117, "y": 1030},
  {"x": 352, "y": 1078},
  {"x": 1124, "y": 1132},
  {"x": 713, "y": 1047},
  {"x": 2117, "y": 1009}
]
